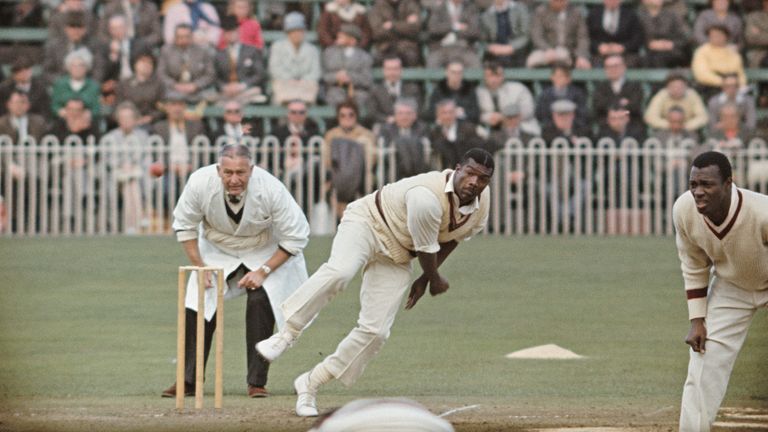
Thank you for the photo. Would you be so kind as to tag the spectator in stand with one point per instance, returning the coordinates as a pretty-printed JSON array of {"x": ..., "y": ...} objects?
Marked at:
[
  {"x": 347, "y": 69},
  {"x": 239, "y": 67},
  {"x": 143, "y": 89},
  {"x": 617, "y": 90},
  {"x": 451, "y": 136},
  {"x": 20, "y": 123},
  {"x": 729, "y": 132},
  {"x": 231, "y": 125},
  {"x": 24, "y": 13},
  {"x": 128, "y": 164},
  {"x": 562, "y": 88},
  {"x": 76, "y": 84},
  {"x": 337, "y": 13},
  {"x": 506, "y": 28},
  {"x": 676, "y": 93},
  {"x": 618, "y": 126},
  {"x": 459, "y": 90},
  {"x": 559, "y": 35},
  {"x": 395, "y": 26},
  {"x": 510, "y": 128},
  {"x": 562, "y": 123},
  {"x": 614, "y": 29},
  {"x": 675, "y": 133},
  {"x": 720, "y": 14},
  {"x": 494, "y": 94},
  {"x": 453, "y": 27},
  {"x": 185, "y": 67},
  {"x": 666, "y": 40},
  {"x": 716, "y": 58},
  {"x": 75, "y": 121},
  {"x": 732, "y": 93},
  {"x": 115, "y": 57},
  {"x": 756, "y": 37},
  {"x": 408, "y": 137},
  {"x": 294, "y": 64},
  {"x": 248, "y": 27},
  {"x": 56, "y": 49},
  {"x": 178, "y": 133},
  {"x": 22, "y": 80},
  {"x": 199, "y": 16},
  {"x": 350, "y": 155},
  {"x": 296, "y": 123},
  {"x": 142, "y": 19},
  {"x": 58, "y": 21},
  {"x": 385, "y": 93}
]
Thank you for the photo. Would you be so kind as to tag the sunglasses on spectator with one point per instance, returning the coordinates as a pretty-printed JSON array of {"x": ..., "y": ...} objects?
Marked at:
[
  {"x": 297, "y": 112},
  {"x": 232, "y": 111}
]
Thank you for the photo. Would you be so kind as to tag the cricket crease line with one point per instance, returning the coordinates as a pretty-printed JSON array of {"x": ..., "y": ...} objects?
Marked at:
[{"x": 454, "y": 411}]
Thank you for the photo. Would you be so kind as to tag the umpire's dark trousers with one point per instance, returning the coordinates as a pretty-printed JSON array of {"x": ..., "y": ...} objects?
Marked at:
[{"x": 259, "y": 325}]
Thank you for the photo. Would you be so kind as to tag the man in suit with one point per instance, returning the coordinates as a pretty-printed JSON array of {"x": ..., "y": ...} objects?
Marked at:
[
  {"x": 458, "y": 89},
  {"x": 20, "y": 123},
  {"x": 385, "y": 93},
  {"x": 21, "y": 80},
  {"x": 178, "y": 133},
  {"x": 617, "y": 90},
  {"x": 395, "y": 26},
  {"x": 451, "y": 137},
  {"x": 185, "y": 67},
  {"x": 506, "y": 30},
  {"x": 231, "y": 125},
  {"x": 296, "y": 123},
  {"x": 347, "y": 69},
  {"x": 615, "y": 30},
  {"x": 453, "y": 27},
  {"x": 114, "y": 57},
  {"x": 239, "y": 67},
  {"x": 142, "y": 19},
  {"x": 56, "y": 49},
  {"x": 407, "y": 136},
  {"x": 562, "y": 88},
  {"x": 559, "y": 35}
]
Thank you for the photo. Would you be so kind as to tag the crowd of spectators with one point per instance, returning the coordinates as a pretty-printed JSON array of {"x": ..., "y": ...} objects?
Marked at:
[{"x": 159, "y": 64}]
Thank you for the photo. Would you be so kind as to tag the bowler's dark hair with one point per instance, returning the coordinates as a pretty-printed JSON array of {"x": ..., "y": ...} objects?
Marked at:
[
  {"x": 714, "y": 158},
  {"x": 478, "y": 155},
  {"x": 235, "y": 151}
]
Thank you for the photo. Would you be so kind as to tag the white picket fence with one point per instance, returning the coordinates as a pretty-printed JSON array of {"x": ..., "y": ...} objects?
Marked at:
[{"x": 88, "y": 188}]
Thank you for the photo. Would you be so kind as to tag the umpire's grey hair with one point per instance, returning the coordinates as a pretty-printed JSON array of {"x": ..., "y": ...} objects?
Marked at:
[
  {"x": 235, "y": 151},
  {"x": 81, "y": 54},
  {"x": 408, "y": 103}
]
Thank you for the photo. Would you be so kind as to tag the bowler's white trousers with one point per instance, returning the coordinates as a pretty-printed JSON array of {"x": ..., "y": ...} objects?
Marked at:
[
  {"x": 384, "y": 285},
  {"x": 729, "y": 313}
]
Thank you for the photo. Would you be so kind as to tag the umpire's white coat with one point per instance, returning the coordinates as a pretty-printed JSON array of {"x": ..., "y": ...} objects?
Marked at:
[{"x": 271, "y": 218}]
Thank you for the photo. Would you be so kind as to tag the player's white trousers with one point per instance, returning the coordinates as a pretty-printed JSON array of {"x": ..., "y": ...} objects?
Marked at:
[
  {"x": 384, "y": 285},
  {"x": 729, "y": 313}
]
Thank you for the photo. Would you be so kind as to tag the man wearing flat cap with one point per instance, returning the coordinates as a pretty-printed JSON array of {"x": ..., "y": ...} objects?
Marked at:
[
  {"x": 294, "y": 64},
  {"x": 509, "y": 127},
  {"x": 563, "y": 123},
  {"x": 347, "y": 69}
]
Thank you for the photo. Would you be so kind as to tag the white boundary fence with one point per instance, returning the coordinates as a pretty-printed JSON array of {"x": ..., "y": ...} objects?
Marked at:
[{"x": 88, "y": 188}]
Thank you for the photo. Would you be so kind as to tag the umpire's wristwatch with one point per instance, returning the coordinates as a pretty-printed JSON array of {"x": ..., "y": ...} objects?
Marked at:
[{"x": 266, "y": 269}]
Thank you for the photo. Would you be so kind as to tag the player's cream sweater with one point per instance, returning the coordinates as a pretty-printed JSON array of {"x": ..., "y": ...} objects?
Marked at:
[
  {"x": 391, "y": 227},
  {"x": 737, "y": 249}
]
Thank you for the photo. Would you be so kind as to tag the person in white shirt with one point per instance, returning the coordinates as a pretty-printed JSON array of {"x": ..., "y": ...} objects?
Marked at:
[
  {"x": 722, "y": 233},
  {"x": 239, "y": 217},
  {"x": 424, "y": 216}
]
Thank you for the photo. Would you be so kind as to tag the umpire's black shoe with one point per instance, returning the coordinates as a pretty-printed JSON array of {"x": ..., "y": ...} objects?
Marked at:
[{"x": 189, "y": 390}]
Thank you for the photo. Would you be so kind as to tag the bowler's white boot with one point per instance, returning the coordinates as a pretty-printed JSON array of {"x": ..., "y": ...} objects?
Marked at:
[
  {"x": 306, "y": 403},
  {"x": 274, "y": 346}
]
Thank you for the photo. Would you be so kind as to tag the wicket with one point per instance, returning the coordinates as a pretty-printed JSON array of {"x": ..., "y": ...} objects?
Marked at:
[{"x": 200, "y": 334}]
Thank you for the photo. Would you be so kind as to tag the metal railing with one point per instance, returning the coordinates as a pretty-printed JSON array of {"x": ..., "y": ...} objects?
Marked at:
[{"x": 77, "y": 187}]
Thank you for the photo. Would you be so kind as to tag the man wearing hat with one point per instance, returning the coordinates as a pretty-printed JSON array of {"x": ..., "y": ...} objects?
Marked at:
[
  {"x": 21, "y": 80},
  {"x": 294, "y": 64},
  {"x": 347, "y": 69},
  {"x": 509, "y": 127},
  {"x": 239, "y": 67},
  {"x": 56, "y": 49},
  {"x": 563, "y": 123}
]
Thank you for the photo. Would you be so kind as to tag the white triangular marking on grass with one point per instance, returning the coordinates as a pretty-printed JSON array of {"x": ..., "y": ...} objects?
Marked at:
[{"x": 549, "y": 351}]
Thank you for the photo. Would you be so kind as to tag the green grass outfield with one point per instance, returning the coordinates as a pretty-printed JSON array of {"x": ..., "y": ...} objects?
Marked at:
[{"x": 88, "y": 333}]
